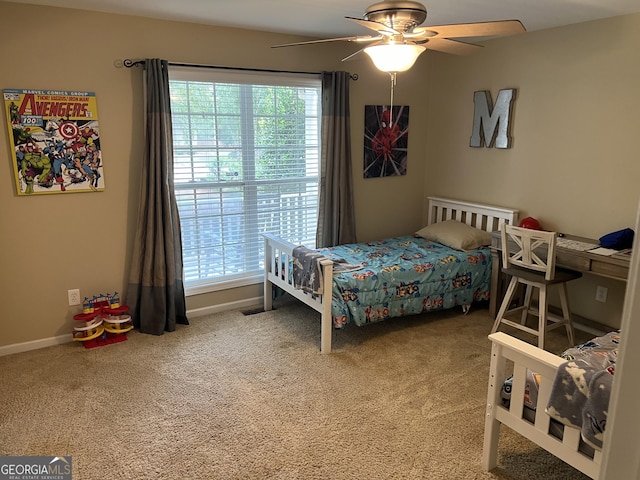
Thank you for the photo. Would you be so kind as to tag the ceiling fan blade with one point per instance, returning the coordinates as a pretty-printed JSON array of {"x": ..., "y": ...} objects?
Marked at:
[
  {"x": 366, "y": 38},
  {"x": 350, "y": 57},
  {"x": 479, "y": 29},
  {"x": 455, "y": 47},
  {"x": 376, "y": 26},
  {"x": 419, "y": 34},
  {"x": 355, "y": 54}
]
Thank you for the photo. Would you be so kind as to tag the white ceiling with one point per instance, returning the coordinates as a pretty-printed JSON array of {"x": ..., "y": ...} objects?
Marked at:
[{"x": 325, "y": 18}]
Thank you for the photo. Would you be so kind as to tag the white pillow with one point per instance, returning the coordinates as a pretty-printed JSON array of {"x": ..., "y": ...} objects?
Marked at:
[{"x": 455, "y": 234}]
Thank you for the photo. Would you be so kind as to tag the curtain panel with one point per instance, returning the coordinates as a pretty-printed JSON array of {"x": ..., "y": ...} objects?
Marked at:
[
  {"x": 336, "y": 216},
  {"x": 156, "y": 288}
]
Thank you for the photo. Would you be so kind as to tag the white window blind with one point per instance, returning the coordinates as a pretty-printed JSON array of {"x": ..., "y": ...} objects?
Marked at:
[{"x": 246, "y": 161}]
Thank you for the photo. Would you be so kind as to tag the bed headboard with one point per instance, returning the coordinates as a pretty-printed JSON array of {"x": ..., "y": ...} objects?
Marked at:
[{"x": 484, "y": 217}]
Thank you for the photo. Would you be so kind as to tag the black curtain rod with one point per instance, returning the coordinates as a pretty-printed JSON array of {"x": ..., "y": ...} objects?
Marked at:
[{"x": 131, "y": 63}]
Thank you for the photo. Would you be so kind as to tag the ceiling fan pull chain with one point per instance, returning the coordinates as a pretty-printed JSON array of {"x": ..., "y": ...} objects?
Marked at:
[{"x": 393, "y": 84}]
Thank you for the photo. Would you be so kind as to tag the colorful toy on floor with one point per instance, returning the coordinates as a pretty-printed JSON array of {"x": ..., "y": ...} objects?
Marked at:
[{"x": 103, "y": 321}]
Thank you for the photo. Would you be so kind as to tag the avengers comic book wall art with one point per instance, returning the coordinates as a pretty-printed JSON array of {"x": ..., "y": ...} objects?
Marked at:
[
  {"x": 386, "y": 135},
  {"x": 55, "y": 141}
]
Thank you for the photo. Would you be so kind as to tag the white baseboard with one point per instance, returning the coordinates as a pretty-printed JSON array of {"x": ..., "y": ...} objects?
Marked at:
[
  {"x": 35, "y": 344},
  {"x": 223, "y": 307},
  {"x": 60, "y": 339}
]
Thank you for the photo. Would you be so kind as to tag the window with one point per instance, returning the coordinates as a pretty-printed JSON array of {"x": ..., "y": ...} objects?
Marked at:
[{"x": 246, "y": 161}]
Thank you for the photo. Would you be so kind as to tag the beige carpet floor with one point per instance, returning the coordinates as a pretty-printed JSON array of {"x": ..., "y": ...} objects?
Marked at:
[{"x": 235, "y": 396}]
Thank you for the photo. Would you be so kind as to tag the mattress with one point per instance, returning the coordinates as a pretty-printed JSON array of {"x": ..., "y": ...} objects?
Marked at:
[{"x": 403, "y": 276}]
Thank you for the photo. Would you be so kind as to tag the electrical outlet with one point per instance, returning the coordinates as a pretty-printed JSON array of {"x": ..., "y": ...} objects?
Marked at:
[
  {"x": 601, "y": 294},
  {"x": 74, "y": 297}
]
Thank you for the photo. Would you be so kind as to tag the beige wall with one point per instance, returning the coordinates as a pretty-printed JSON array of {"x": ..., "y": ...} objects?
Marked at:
[
  {"x": 52, "y": 243},
  {"x": 574, "y": 159}
]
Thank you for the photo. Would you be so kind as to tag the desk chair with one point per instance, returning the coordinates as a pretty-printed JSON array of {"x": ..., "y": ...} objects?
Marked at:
[{"x": 532, "y": 263}]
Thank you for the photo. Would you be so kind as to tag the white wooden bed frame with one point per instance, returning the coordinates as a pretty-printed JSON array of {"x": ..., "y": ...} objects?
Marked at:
[
  {"x": 278, "y": 255},
  {"x": 506, "y": 348}
]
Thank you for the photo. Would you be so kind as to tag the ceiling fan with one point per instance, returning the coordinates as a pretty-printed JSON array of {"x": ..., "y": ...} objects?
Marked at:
[{"x": 400, "y": 39}]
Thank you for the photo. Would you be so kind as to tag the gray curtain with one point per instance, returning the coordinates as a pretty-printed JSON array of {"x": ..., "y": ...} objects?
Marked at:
[
  {"x": 156, "y": 289},
  {"x": 336, "y": 218}
]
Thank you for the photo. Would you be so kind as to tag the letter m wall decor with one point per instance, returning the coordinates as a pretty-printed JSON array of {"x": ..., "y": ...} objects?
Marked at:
[{"x": 491, "y": 124}]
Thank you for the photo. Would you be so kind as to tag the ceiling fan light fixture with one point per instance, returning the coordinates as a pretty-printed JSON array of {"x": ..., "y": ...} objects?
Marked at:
[{"x": 395, "y": 57}]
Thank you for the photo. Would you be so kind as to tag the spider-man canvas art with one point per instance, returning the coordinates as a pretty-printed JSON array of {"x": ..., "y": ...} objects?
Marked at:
[{"x": 385, "y": 140}]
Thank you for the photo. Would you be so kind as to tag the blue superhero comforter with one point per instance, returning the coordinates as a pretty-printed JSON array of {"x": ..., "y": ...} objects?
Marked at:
[{"x": 405, "y": 275}]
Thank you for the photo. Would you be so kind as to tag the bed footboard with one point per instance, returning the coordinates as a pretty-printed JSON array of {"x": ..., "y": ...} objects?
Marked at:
[
  {"x": 278, "y": 255},
  {"x": 525, "y": 356}
]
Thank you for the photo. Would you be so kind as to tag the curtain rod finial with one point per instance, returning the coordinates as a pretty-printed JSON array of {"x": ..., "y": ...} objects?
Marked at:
[{"x": 127, "y": 62}]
